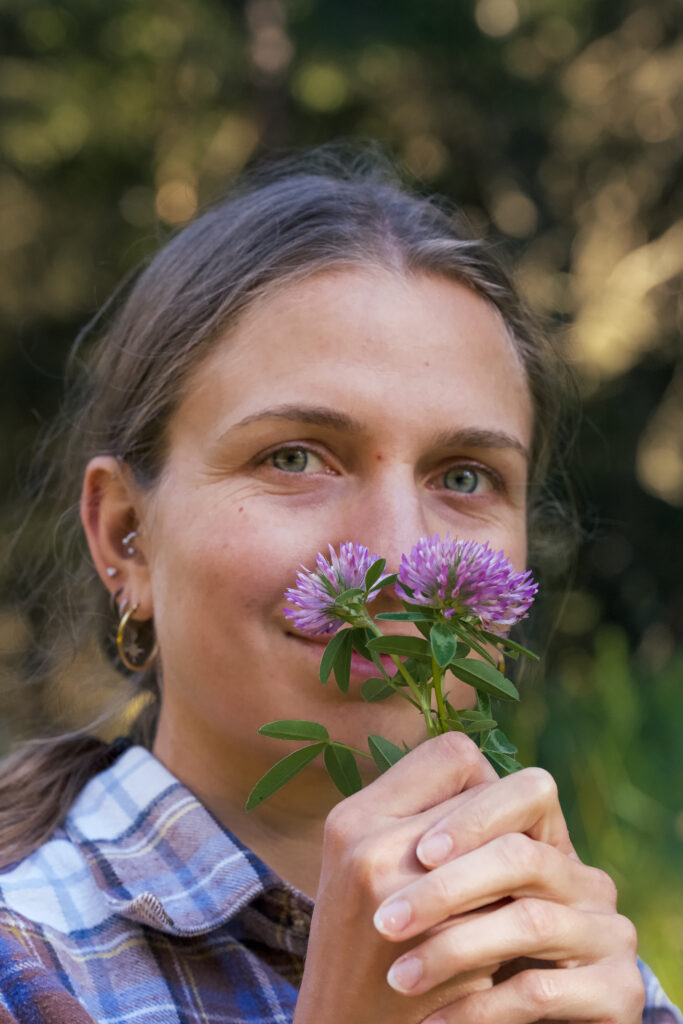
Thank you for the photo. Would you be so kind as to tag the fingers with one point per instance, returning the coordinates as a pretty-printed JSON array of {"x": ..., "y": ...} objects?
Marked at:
[
  {"x": 526, "y": 927},
  {"x": 524, "y": 802},
  {"x": 435, "y": 771},
  {"x": 596, "y": 994},
  {"x": 510, "y": 866}
]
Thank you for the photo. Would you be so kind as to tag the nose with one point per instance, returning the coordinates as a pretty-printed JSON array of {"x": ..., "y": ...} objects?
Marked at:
[{"x": 389, "y": 516}]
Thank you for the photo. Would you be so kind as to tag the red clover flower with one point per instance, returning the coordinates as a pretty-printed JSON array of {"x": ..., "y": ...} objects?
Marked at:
[
  {"x": 462, "y": 577},
  {"x": 316, "y": 590}
]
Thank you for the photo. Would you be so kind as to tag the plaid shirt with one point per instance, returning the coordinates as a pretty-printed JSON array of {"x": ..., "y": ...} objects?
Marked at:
[{"x": 143, "y": 908}]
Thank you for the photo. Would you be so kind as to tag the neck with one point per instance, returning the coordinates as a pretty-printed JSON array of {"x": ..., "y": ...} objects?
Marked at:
[{"x": 286, "y": 831}]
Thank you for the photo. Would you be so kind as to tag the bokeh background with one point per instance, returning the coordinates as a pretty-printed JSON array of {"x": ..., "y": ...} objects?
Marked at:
[{"x": 556, "y": 124}]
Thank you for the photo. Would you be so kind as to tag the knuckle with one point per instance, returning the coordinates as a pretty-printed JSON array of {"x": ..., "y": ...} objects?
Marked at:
[
  {"x": 519, "y": 852},
  {"x": 537, "y": 919},
  {"x": 628, "y": 934},
  {"x": 539, "y": 989},
  {"x": 542, "y": 782},
  {"x": 339, "y": 826},
  {"x": 457, "y": 745},
  {"x": 370, "y": 865},
  {"x": 606, "y": 887},
  {"x": 634, "y": 992}
]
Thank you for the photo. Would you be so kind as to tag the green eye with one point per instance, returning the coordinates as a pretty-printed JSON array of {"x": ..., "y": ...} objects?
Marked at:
[
  {"x": 461, "y": 479},
  {"x": 290, "y": 460}
]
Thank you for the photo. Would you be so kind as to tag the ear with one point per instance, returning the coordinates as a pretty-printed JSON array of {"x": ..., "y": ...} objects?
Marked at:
[{"x": 110, "y": 512}]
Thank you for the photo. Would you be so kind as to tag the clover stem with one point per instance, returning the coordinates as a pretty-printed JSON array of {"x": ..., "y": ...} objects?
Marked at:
[
  {"x": 417, "y": 693},
  {"x": 361, "y": 753},
  {"x": 441, "y": 707}
]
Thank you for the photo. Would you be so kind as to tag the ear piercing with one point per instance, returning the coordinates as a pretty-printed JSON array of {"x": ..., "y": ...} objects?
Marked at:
[
  {"x": 128, "y": 542},
  {"x": 111, "y": 571}
]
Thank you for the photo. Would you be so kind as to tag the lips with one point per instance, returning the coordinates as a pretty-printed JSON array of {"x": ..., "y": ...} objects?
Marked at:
[{"x": 361, "y": 668}]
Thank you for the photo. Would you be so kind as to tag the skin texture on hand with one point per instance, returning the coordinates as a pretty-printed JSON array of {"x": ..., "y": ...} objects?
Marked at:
[{"x": 510, "y": 926}]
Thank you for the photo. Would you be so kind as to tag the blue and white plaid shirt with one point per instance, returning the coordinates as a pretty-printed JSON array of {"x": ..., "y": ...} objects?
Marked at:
[{"x": 144, "y": 909}]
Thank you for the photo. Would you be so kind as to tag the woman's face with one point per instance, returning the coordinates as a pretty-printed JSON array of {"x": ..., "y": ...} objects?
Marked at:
[{"x": 357, "y": 405}]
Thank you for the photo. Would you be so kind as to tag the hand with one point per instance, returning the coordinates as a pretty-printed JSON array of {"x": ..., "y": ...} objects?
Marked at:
[
  {"x": 506, "y": 887},
  {"x": 370, "y": 852}
]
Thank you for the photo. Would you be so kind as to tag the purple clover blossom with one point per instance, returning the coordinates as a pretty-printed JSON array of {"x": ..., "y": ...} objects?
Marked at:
[
  {"x": 317, "y": 589},
  {"x": 466, "y": 578}
]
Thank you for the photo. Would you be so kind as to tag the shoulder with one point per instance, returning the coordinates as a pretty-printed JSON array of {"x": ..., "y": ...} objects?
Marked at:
[{"x": 65, "y": 885}]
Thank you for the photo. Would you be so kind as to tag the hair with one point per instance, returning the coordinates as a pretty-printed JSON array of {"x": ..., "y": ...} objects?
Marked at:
[{"x": 285, "y": 220}]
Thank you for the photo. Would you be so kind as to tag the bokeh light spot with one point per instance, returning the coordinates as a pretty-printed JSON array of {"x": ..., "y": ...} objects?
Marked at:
[{"x": 496, "y": 17}]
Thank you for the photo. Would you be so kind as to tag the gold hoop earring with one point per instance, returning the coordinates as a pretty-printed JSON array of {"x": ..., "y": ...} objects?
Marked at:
[{"x": 129, "y": 649}]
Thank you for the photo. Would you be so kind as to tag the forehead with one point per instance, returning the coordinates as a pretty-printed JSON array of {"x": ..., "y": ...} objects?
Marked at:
[{"x": 419, "y": 344}]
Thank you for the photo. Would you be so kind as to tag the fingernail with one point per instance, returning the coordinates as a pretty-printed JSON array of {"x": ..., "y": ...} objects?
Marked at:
[
  {"x": 393, "y": 918},
  {"x": 435, "y": 849},
  {"x": 405, "y": 974}
]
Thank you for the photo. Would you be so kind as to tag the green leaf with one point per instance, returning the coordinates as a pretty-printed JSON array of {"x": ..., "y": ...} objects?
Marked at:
[
  {"x": 483, "y": 704},
  {"x": 374, "y": 573},
  {"x": 347, "y": 595},
  {"x": 342, "y": 769},
  {"x": 375, "y": 689},
  {"x": 330, "y": 653},
  {"x": 443, "y": 644},
  {"x": 405, "y": 616},
  {"x": 470, "y": 715},
  {"x": 472, "y": 728},
  {"x": 281, "y": 773},
  {"x": 294, "y": 729},
  {"x": 467, "y": 635},
  {"x": 484, "y": 677},
  {"x": 421, "y": 670},
  {"x": 384, "y": 752},
  {"x": 509, "y": 644},
  {"x": 503, "y": 763},
  {"x": 412, "y": 646},
  {"x": 359, "y": 640},
  {"x": 342, "y": 662},
  {"x": 499, "y": 743}
]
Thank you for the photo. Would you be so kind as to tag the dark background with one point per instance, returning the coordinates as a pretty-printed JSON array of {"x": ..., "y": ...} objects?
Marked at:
[{"x": 557, "y": 125}]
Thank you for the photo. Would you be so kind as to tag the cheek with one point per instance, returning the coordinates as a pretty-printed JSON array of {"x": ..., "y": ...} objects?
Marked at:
[{"x": 226, "y": 564}]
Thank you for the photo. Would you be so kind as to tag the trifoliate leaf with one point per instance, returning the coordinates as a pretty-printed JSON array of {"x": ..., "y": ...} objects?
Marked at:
[
  {"x": 281, "y": 773},
  {"x": 374, "y": 573},
  {"x": 331, "y": 653},
  {"x": 342, "y": 662},
  {"x": 376, "y": 689},
  {"x": 384, "y": 752},
  {"x": 443, "y": 644},
  {"x": 484, "y": 677},
  {"x": 342, "y": 769},
  {"x": 412, "y": 646},
  {"x": 294, "y": 729}
]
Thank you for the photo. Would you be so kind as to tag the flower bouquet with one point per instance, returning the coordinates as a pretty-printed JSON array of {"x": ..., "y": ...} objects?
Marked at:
[{"x": 461, "y": 596}]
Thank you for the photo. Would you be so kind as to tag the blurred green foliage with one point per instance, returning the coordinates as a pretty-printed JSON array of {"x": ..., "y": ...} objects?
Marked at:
[{"x": 556, "y": 125}]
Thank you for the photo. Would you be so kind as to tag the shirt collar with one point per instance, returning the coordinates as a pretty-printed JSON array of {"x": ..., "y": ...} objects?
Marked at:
[{"x": 160, "y": 858}]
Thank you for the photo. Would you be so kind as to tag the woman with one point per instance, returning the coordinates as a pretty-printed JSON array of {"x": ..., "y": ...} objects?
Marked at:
[{"x": 324, "y": 357}]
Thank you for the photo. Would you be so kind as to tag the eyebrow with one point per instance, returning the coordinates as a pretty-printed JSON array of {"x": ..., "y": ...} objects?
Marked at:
[
  {"x": 321, "y": 416},
  {"x": 318, "y": 416}
]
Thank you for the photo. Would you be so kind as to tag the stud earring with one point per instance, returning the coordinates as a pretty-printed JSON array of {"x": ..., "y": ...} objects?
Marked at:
[
  {"x": 111, "y": 571},
  {"x": 128, "y": 542}
]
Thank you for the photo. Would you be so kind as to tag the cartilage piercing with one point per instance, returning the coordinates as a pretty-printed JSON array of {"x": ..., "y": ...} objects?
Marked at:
[
  {"x": 111, "y": 571},
  {"x": 127, "y": 542}
]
